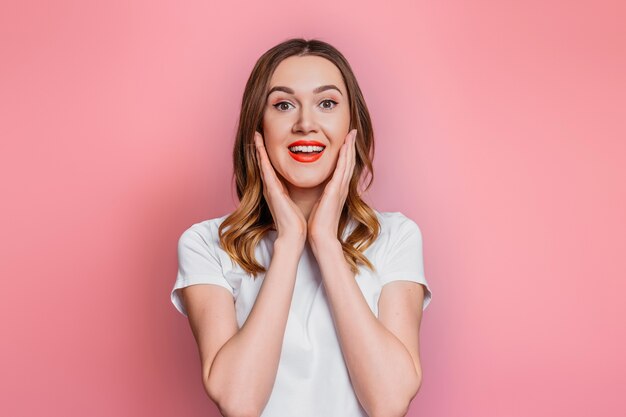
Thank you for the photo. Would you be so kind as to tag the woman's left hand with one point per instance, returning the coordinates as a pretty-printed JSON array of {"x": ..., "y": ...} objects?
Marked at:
[{"x": 323, "y": 222}]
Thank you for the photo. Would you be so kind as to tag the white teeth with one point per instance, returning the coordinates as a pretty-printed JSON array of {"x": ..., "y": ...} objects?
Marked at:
[{"x": 306, "y": 148}]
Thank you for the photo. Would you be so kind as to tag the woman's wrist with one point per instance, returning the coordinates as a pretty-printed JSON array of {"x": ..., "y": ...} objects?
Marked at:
[
  {"x": 290, "y": 243},
  {"x": 330, "y": 244}
]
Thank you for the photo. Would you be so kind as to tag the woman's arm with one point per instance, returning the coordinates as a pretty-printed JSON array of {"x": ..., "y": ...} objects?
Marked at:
[
  {"x": 381, "y": 368},
  {"x": 241, "y": 376}
]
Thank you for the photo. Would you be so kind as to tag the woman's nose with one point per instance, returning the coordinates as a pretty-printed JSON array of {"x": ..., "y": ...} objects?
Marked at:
[{"x": 306, "y": 120}]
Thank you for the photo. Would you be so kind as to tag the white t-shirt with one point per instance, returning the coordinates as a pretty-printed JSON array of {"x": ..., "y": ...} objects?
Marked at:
[{"x": 312, "y": 378}]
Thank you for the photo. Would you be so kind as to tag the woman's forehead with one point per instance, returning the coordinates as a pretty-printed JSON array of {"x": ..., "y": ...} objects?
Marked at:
[{"x": 305, "y": 73}]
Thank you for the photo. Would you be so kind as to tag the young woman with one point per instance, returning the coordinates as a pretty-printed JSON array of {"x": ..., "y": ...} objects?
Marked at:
[{"x": 314, "y": 299}]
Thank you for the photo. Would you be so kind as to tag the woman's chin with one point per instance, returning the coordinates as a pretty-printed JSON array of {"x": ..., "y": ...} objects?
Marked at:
[{"x": 306, "y": 183}]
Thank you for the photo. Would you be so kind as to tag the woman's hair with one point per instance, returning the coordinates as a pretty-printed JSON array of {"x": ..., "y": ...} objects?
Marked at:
[{"x": 242, "y": 230}]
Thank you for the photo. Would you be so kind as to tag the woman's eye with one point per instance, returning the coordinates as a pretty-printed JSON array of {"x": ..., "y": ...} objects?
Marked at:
[
  {"x": 280, "y": 106},
  {"x": 329, "y": 101}
]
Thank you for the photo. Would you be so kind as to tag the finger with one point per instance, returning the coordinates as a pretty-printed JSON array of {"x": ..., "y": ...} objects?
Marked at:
[
  {"x": 336, "y": 180},
  {"x": 261, "y": 154},
  {"x": 258, "y": 156},
  {"x": 266, "y": 184},
  {"x": 353, "y": 156},
  {"x": 268, "y": 170},
  {"x": 349, "y": 158},
  {"x": 345, "y": 183},
  {"x": 258, "y": 164}
]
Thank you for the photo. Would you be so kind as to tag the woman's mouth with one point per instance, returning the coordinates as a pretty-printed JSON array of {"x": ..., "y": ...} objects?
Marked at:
[{"x": 306, "y": 153}]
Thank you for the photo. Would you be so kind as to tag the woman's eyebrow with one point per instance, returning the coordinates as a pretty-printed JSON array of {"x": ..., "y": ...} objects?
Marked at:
[{"x": 316, "y": 91}]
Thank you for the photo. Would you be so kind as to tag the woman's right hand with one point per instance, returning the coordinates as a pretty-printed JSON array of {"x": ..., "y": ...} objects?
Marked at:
[{"x": 290, "y": 222}]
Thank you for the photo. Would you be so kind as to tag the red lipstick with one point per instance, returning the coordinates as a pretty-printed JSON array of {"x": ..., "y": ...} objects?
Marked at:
[
  {"x": 306, "y": 143},
  {"x": 306, "y": 157}
]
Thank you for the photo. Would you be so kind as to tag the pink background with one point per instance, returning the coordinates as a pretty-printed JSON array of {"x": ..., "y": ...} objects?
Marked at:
[{"x": 500, "y": 130}]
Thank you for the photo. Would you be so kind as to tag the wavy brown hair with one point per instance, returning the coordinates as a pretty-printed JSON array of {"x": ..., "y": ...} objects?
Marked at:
[{"x": 242, "y": 230}]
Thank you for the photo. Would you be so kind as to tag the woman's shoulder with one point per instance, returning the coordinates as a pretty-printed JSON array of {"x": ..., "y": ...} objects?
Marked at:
[
  {"x": 395, "y": 227},
  {"x": 394, "y": 221},
  {"x": 206, "y": 229}
]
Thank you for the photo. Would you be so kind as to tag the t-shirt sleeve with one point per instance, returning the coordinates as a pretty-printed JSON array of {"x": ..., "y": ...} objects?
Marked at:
[
  {"x": 403, "y": 260},
  {"x": 197, "y": 264}
]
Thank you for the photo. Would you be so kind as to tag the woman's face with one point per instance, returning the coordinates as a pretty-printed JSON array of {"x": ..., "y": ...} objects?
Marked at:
[{"x": 307, "y": 101}]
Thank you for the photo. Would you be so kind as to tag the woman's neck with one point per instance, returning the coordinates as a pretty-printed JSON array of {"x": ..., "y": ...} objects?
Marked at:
[{"x": 305, "y": 198}]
